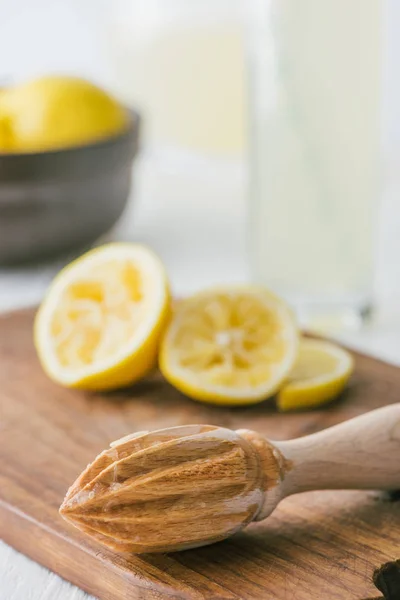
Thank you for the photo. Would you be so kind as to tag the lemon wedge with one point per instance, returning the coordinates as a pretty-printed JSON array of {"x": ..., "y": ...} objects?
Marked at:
[
  {"x": 100, "y": 323},
  {"x": 320, "y": 374},
  {"x": 230, "y": 345}
]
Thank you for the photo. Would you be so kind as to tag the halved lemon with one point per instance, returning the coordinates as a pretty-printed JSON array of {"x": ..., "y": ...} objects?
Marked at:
[
  {"x": 230, "y": 345},
  {"x": 100, "y": 323},
  {"x": 320, "y": 374}
]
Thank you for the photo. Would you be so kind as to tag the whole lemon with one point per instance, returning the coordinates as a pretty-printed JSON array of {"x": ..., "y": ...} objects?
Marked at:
[{"x": 57, "y": 112}]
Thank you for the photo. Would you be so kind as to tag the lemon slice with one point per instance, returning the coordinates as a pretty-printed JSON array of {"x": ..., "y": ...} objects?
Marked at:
[
  {"x": 100, "y": 323},
  {"x": 231, "y": 345},
  {"x": 320, "y": 374}
]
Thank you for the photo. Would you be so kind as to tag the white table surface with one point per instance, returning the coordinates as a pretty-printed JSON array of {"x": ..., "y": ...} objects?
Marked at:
[{"x": 196, "y": 222}]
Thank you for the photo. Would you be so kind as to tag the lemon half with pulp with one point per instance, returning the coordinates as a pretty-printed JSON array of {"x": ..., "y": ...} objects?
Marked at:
[
  {"x": 231, "y": 345},
  {"x": 100, "y": 323}
]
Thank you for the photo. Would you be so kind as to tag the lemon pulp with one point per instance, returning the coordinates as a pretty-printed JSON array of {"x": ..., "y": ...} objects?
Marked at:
[
  {"x": 100, "y": 323},
  {"x": 233, "y": 345},
  {"x": 97, "y": 316}
]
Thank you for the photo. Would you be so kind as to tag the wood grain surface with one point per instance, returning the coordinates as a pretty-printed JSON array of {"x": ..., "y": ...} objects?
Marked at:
[{"x": 315, "y": 546}]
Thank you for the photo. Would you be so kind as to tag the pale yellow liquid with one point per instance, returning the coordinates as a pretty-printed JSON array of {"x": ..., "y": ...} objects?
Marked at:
[
  {"x": 188, "y": 81},
  {"x": 317, "y": 98}
]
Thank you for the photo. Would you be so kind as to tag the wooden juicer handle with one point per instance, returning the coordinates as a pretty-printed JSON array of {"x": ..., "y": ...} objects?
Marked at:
[{"x": 362, "y": 453}]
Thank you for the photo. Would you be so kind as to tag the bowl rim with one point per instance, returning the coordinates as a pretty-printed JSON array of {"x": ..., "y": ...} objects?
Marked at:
[{"x": 132, "y": 130}]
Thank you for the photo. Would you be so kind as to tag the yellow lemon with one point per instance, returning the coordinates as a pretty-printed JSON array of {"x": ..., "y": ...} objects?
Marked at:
[
  {"x": 57, "y": 112},
  {"x": 320, "y": 373},
  {"x": 99, "y": 325},
  {"x": 230, "y": 345}
]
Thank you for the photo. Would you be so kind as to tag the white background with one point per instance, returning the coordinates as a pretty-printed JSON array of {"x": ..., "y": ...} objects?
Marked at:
[{"x": 194, "y": 217}]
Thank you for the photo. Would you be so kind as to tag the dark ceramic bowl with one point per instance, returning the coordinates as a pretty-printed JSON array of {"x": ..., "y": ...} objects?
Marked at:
[{"x": 53, "y": 202}]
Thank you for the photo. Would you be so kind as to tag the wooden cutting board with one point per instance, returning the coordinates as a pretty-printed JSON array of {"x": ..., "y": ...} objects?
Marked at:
[{"x": 316, "y": 546}]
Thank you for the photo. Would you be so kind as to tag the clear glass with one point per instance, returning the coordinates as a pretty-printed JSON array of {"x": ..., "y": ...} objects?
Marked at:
[{"x": 315, "y": 96}]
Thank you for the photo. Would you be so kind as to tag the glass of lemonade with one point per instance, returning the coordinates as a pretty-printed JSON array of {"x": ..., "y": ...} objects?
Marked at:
[
  {"x": 181, "y": 63},
  {"x": 316, "y": 95}
]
